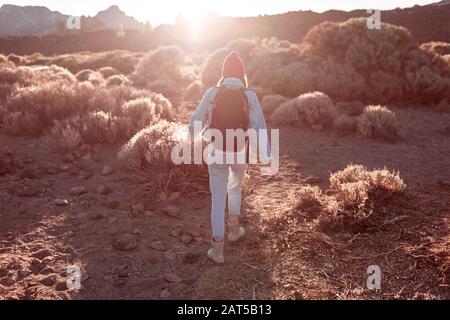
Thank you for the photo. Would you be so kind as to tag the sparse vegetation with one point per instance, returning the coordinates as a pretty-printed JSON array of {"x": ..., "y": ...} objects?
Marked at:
[
  {"x": 354, "y": 191},
  {"x": 379, "y": 122},
  {"x": 309, "y": 109}
]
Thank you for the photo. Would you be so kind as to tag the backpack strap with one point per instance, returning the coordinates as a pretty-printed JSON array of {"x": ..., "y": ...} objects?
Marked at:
[
  {"x": 213, "y": 104},
  {"x": 246, "y": 107}
]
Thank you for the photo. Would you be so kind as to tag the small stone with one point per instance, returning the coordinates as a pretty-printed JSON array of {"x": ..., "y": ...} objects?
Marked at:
[
  {"x": 165, "y": 294},
  {"x": 61, "y": 286},
  {"x": 186, "y": 239},
  {"x": 136, "y": 231},
  {"x": 107, "y": 170},
  {"x": 158, "y": 246},
  {"x": 125, "y": 242},
  {"x": 102, "y": 189},
  {"x": 36, "y": 266},
  {"x": 176, "y": 233},
  {"x": 74, "y": 171},
  {"x": 172, "y": 278},
  {"x": 172, "y": 211},
  {"x": 78, "y": 191},
  {"x": 49, "y": 280},
  {"x": 113, "y": 204},
  {"x": 61, "y": 202},
  {"x": 48, "y": 270},
  {"x": 64, "y": 168},
  {"x": 23, "y": 273},
  {"x": 87, "y": 157}
]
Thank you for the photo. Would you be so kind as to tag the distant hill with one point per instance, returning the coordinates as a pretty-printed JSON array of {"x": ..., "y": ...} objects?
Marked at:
[
  {"x": 17, "y": 21},
  {"x": 113, "y": 18},
  {"x": 29, "y": 20},
  {"x": 426, "y": 23}
]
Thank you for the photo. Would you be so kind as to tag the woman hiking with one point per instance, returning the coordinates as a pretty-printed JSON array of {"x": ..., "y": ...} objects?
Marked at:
[{"x": 229, "y": 105}]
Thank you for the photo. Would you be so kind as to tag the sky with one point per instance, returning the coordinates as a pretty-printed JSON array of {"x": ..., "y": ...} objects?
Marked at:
[{"x": 166, "y": 11}]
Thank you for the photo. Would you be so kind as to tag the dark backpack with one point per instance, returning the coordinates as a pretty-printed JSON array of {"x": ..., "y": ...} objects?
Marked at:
[{"x": 230, "y": 111}]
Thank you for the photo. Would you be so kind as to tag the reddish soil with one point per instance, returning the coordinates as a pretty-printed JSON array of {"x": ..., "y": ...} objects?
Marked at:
[{"x": 284, "y": 255}]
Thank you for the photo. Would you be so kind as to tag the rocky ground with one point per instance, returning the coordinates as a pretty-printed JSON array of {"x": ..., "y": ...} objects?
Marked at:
[{"x": 79, "y": 209}]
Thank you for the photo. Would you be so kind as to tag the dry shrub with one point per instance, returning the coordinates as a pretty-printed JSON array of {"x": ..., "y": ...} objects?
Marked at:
[
  {"x": 163, "y": 70},
  {"x": 96, "y": 127},
  {"x": 437, "y": 47},
  {"x": 286, "y": 114},
  {"x": 17, "y": 60},
  {"x": 271, "y": 102},
  {"x": 280, "y": 71},
  {"x": 314, "y": 108},
  {"x": 64, "y": 137},
  {"x": 123, "y": 61},
  {"x": 35, "y": 75},
  {"x": 142, "y": 111},
  {"x": 21, "y": 124},
  {"x": 51, "y": 73},
  {"x": 167, "y": 87},
  {"x": 49, "y": 101},
  {"x": 93, "y": 77},
  {"x": 349, "y": 62},
  {"x": 194, "y": 91},
  {"x": 117, "y": 80},
  {"x": 379, "y": 122},
  {"x": 354, "y": 193},
  {"x": 4, "y": 62},
  {"x": 150, "y": 146},
  {"x": 107, "y": 72},
  {"x": 344, "y": 125},
  {"x": 309, "y": 200}
]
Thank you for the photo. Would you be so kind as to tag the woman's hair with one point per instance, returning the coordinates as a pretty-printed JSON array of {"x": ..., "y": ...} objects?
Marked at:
[{"x": 244, "y": 81}]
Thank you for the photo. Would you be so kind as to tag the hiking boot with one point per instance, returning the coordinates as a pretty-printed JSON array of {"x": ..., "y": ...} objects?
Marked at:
[
  {"x": 216, "y": 252},
  {"x": 236, "y": 232}
]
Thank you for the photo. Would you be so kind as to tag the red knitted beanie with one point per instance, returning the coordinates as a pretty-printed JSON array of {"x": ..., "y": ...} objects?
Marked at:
[{"x": 233, "y": 66}]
